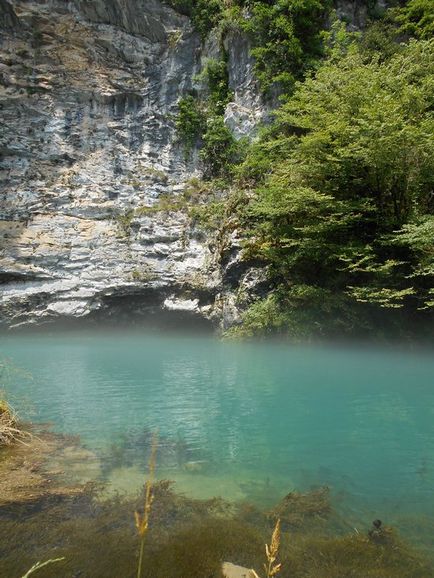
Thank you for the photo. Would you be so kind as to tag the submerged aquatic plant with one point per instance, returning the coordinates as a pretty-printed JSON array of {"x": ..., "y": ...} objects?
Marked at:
[
  {"x": 190, "y": 538},
  {"x": 40, "y": 565},
  {"x": 297, "y": 510},
  {"x": 142, "y": 520}
]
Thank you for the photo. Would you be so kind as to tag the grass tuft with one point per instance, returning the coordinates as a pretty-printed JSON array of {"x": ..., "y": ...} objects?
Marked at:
[{"x": 10, "y": 430}]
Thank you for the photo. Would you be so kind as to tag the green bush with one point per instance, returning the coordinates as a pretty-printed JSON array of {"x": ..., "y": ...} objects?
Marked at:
[
  {"x": 287, "y": 39},
  {"x": 302, "y": 312},
  {"x": 417, "y": 18},
  {"x": 202, "y": 123},
  {"x": 286, "y": 34},
  {"x": 220, "y": 150},
  {"x": 205, "y": 14},
  {"x": 215, "y": 75},
  {"x": 190, "y": 122}
]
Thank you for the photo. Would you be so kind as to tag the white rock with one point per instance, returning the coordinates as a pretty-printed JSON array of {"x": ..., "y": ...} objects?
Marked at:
[
  {"x": 69, "y": 308},
  {"x": 178, "y": 304}
]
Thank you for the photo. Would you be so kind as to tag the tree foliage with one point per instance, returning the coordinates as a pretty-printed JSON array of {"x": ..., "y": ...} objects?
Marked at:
[
  {"x": 286, "y": 34},
  {"x": 287, "y": 38},
  {"x": 205, "y": 14},
  {"x": 219, "y": 150},
  {"x": 417, "y": 18},
  {"x": 190, "y": 122},
  {"x": 201, "y": 122},
  {"x": 346, "y": 203},
  {"x": 339, "y": 187}
]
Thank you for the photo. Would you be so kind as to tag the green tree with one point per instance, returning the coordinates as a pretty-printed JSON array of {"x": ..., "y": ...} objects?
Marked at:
[
  {"x": 347, "y": 207},
  {"x": 287, "y": 38},
  {"x": 417, "y": 18},
  {"x": 205, "y": 14},
  {"x": 190, "y": 122},
  {"x": 219, "y": 150}
]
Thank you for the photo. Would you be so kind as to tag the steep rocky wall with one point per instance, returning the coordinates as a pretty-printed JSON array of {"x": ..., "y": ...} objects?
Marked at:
[
  {"x": 88, "y": 94},
  {"x": 89, "y": 155}
]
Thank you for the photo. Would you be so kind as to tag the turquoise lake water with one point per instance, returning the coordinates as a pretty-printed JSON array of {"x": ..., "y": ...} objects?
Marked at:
[{"x": 245, "y": 421}]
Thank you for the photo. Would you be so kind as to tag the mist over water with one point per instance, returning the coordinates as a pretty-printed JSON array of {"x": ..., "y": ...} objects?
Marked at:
[{"x": 244, "y": 421}]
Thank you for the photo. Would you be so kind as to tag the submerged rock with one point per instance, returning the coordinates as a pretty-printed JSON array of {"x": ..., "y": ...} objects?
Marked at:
[
  {"x": 233, "y": 571},
  {"x": 41, "y": 468}
]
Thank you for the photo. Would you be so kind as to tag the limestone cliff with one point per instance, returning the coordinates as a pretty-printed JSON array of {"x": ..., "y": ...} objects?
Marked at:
[
  {"x": 91, "y": 167},
  {"x": 88, "y": 95}
]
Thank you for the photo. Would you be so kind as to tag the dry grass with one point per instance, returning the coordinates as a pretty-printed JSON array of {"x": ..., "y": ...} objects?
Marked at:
[
  {"x": 272, "y": 551},
  {"x": 272, "y": 567},
  {"x": 142, "y": 519},
  {"x": 10, "y": 430},
  {"x": 40, "y": 565}
]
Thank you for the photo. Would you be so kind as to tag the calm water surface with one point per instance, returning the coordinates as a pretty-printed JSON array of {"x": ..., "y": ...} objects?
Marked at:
[{"x": 237, "y": 420}]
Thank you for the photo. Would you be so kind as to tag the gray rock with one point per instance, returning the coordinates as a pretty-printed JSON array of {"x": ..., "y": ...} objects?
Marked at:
[
  {"x": 8, "y": 18},
  {"x": 89, "y": 146}
]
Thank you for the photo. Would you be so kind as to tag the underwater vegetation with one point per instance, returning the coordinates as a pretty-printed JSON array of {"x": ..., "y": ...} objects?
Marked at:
[
  {"x": 36, "y": 471},
  {"x": 188, "y": 538},
  {"x": 134, "y": 448},
  {"x": 92, "y": 533}
]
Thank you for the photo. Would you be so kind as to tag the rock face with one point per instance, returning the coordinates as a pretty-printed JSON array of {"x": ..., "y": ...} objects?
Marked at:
[
  {"x": 88, "y": 95},
  {"x": 92, "y": 174},
  {"x": 247, "y": 110}
]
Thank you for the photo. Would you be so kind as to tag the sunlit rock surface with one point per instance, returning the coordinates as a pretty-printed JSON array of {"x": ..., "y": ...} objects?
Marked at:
[{"x": 88, "y": 95}]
